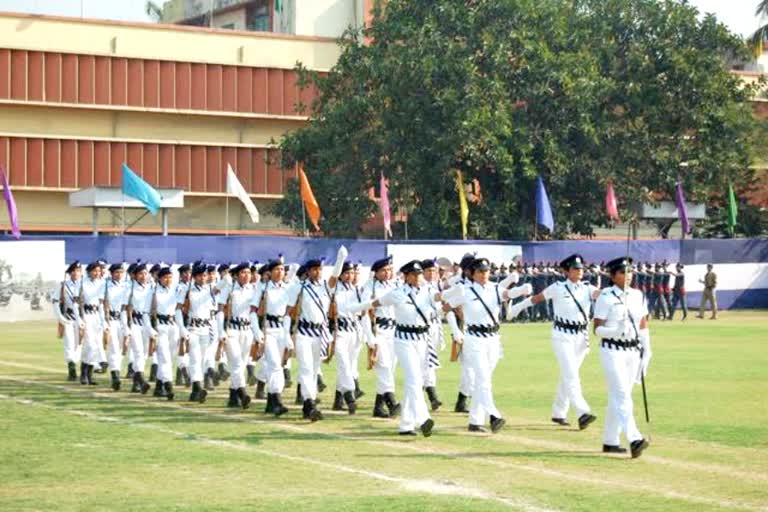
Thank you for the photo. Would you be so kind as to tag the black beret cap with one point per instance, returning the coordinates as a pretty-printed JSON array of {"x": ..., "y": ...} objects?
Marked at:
[
  {"x": 618, "y": 264},
  {"x": 572, "y": 261},
  {"x": 411, "y": 266},
  {"x": 379, "y": 264}
]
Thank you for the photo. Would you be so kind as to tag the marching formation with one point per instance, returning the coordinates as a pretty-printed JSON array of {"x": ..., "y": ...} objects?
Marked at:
[{"x": 246, "y": 324}]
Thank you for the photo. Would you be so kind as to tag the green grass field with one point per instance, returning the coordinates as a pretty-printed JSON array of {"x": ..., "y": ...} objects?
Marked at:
[{"x": 65, "y": 447}]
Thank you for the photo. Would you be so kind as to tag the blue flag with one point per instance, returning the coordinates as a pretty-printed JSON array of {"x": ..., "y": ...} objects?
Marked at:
[
  {"x": 139, "y": 189},
  {"x": 543, "y": 211}
]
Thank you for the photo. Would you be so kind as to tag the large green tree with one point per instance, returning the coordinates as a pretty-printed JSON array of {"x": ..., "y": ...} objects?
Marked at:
[{"x": 578, "y": 91}]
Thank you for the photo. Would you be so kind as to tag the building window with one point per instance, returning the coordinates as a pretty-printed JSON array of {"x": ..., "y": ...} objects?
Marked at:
[
  {"x": 258, "y": 17},
  {"x": 228, "y": 26}
]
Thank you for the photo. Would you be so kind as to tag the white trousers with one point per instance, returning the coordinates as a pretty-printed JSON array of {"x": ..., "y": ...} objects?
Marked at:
[
  {"x": 273, "y": 361},
  {"x": 435, "y": 337},
  {"x": 620, "y": 368},
  {"x": 570, "y": 350},
  {"x": 467, "y": 378},
  {"x": 344, "y": 354},
  {"x": 354, "y": 349},
  {"x": 92, "y": 339},
  {"x": 386, "y": 361},
  {"x": 308, "y": 356},
  {"x": 209, "y": 353},
  {"x": 199, "y": 341},
  {"x": 138, "y": 347},
  {"x": 238, "y": 347},
  {"x": 166, "y": 333},
  {"x": 71, "y": 339},
  {"x": 181, "y": 361},
  {"x": 414, "y": 410},
  {"x": 153, "y": 357},
  {"x": 115, "y": 347},
  {"x": 482, "y": 355}
]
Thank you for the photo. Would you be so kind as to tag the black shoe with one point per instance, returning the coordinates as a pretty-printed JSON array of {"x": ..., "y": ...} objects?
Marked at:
[
  {"x": 426, "y": 427},
  {"x": 185, "y": 377},
  {"x": 338, "y": 401},
  {"x": 561, "y": 421},
  {"x": 287, "y": 377},
  {"x": 143, "y": 385},
  {"x": 278, "y": 409},
  {"x": 91, "y": 382},
  {"x": 115, "y": 380},
  {"x": 159, "y": 390},
  {"x": 269, "y": 409},
  {"x": 477, "y": 428},
  {"x": 178, "y": 376},
  {"x": 136, "y": 385},
  {"x": 392, "y": 405},
  {"x": 251, "y": 374},
  {"x": 260, "y": 395},
  {"x": 83, "y": 374},
  {"x": 310, "y": 411},
  {"x": 497, "y": 423},
  {"x": 71, "y": 372},
  {"x": 153, "y": 373},
  {"x": 378, "y": 408},
  {"x": 406, "y": 433},
  {"x": 208, "y": 380},
  {"x": 461, "y": 403},
  {"x": 103, "y": 367},
  {"x": 299, "y": 399},
  {"x": 203, "y": 396},
  {"x": 637, "y": 447},
  {"x": 245, "y": 400},
  {"x": 168, "y": 387},
  {"x": 358, "y": 392},
  {"x": 194, "y": 396},
  {"x": 320, "y": 384},
  {"x": 233, "y": 401},
  {"x": 610, "y": 448},
  {"x": 223, "y": 373},
  {"x": 130, "y": 371},
  {"x": 215, "y": 377},
  {"x": 349, "y": 398},
  {"x": 585, "y": 420},
  {"x": 433, "y": 400}
]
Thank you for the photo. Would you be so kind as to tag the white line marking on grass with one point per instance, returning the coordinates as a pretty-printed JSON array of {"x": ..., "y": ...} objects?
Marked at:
[{"x": 415, "y": 486}]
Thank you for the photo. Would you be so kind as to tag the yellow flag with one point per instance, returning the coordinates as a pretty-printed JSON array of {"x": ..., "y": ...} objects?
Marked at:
[{"x": 463, "y": 207}]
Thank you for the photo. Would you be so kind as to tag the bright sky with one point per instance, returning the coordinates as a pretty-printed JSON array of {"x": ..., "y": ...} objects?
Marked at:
[{"x": 738, "y": 15}]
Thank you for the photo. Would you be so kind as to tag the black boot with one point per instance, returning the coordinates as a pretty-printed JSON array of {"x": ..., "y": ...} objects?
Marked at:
[
  {"x": 153, "y": 373},
  {"x": 168, "y": 386},
  {"x": 349, "y": 397},
  {"x": 260, "y": 385},
  {"x": 83, "y": 374},
  {"x": 270, "y": 404},
  {"x": 233, "y": 401},
  {"x": 378, "y": 408},
  {"x": 637, "y": 447},
  {"x": 497, "y": 423},
  {"x": 178, "y": 377},
  {"x": 136, "y": 387},
  {"x": 194, "y": 396},
  {"x": 426, "y": 427},
  {"x": 143, "y": 385},
  {"x": 103, "y": 366},
  {"x": 251, "y": 374},
  {"x": 310, "y": 411},
  {"x": 185, "y": 377},
  {"x": 299, "y": 399},
  {"x": 130, "y": 372},
  {"x": 90, "y": 376},
  {"x": 208, "y": 380},
  {"x": 71, "y": 372},
  {"x": 320, "y": 384},
  {"x": 245, "y": 400},
  {"x": 115, "y": 380},
  {"x": 358, "y": 392},
  {"x": 461, "y": 403},
  {"x": 159, "y": 391},
  {"x": 338, "y": 401},
  {"x": 278, "y": 408},
  {"x": 392, "y": 405},
  {"x": 223, "y": 373},
  {"x": 287, "y": 377},
  {"x": 585, "y": 420},
  {"x": 216, "y": 377},
  {"x": 433, "y": 400}
]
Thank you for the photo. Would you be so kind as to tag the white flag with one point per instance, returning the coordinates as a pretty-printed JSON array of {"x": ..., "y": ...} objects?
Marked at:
[{"x": 234, "y": 188}]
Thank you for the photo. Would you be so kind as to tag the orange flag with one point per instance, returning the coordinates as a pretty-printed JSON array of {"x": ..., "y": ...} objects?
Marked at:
[{"x": 313, "y": 209}]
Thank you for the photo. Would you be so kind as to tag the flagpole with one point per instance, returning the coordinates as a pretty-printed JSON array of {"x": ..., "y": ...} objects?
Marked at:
[
  {"x": 304, "y": 220},
  {"x": 122, "y": 217},
  {"x": 226, "y": 215}
]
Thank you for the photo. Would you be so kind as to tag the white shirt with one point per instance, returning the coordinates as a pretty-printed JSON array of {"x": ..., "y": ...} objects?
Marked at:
[
  {"x": 92, "y": 291},
  {"x": 347, "y": 296},
  {"x": 315, "y": 300},
  {"x": 181, "y": 291},
  {"x": 563, "y": 303},
  {"x": 165, "y": 300},
  {"x": 139, "y": 297},
  {"x": 116, "y": 295},
  {"x": 407, "y": 301},
  {"x": 239, "y": 298},
  {"x": 375, "y": 289},
  {"x": 71, "y": 292},
  {"x": 202, "y": 301},
  {"x": 473, "y": 309},
  {"x": 610, "y": 308}
]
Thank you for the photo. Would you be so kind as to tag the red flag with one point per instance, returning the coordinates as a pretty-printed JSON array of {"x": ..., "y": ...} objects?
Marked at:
[{"x": 610, "y": 202}]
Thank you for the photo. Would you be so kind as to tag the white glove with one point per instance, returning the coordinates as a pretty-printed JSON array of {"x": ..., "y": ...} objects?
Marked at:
[
  {"x": 361, "y": 306},
  {"x": 340, "y": 257},
  {"x": 292, "y": 269},
  {"x": 456, "y": 333},
  {"x": 124, "y": 321},
  {"x": 645, "y": 361},
  {"x": 220, "y": 325},
  {"x": 255, "y": 328},
  {"x": 519, "y": 291},
  {"x": 287, "y": 332},
  {"x": 614, "y": 332},
  {"x": 453, "y": 296},
  {"x": 59, "y": 316},
  {"x": 102, "y": 318},
  {"x": 516, "y": 309},
  {"x": 183, "y": 332},
  {"x": 365, "y": 325},
  {"x": 508, "y": 281}
]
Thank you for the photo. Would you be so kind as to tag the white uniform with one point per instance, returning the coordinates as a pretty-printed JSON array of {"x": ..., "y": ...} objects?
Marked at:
[
  {"x": 467, "y": 378},
  {"x": 92, "y": 295},
  {"x": 164, "y": 301},
  {"x": 313, "y": 335},
  {"x": 139, "y": 300},
  {"x": 116, "y": 294},
  {"x": 435, "y": 342},
  {"x": 411, "y": 306},
  {"x": 383, "y": 339},
  {"x": 239, "y": 329},
  {"x": 102, "y": 357},
  {"x": 181, "y": 294},
  {"x": 202, "y": 303},
  {"x": 69, "y": 318},
  {"x": 621, "y": 359},
  {"x": 346, "y": 336},
  {"x": 277, "y": 336},
  {"x": 571, "y": 303}
]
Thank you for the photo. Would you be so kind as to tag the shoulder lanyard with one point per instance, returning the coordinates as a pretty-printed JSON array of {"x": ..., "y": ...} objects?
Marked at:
[
  {"x": 632, "y": 321},
  {"x": 418, "y": 310},
  {"x": 487, "y": 309},
  {"x": 316, "y": 299},
  {"x": 578, "y": 304}
]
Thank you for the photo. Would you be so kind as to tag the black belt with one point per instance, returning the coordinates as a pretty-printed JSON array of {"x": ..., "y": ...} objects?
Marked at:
[
  {"x": 483, "y": 331},
  {"x": 90, "y": 309},
  {"x": 166, "y": 319},
  {"x": 114, "y": 315},
  {"x": 385, "y": 323},
  {"x": 199, "y": 322},
  {"x": 70, "y": 313},
  {"x": 410, "y": 332},
  {"x": 570, "y": 327},
  {"x": 313, "y": 329},
  {"x": 239, "y": 323},
  {"x": 274, "y": 321},
  {"x": 345, "y": 324},
  {"x": 137, "y": 317},
  {"x": 620, "y": 344}
]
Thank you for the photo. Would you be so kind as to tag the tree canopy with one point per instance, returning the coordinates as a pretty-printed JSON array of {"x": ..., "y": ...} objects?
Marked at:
[{"x": 578, "y": 91}]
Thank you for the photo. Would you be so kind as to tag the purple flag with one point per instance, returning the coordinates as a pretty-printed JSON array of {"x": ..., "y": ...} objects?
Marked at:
[
  {"x": 682, "y": 212},
  {"x": 12, "y": 213}
]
